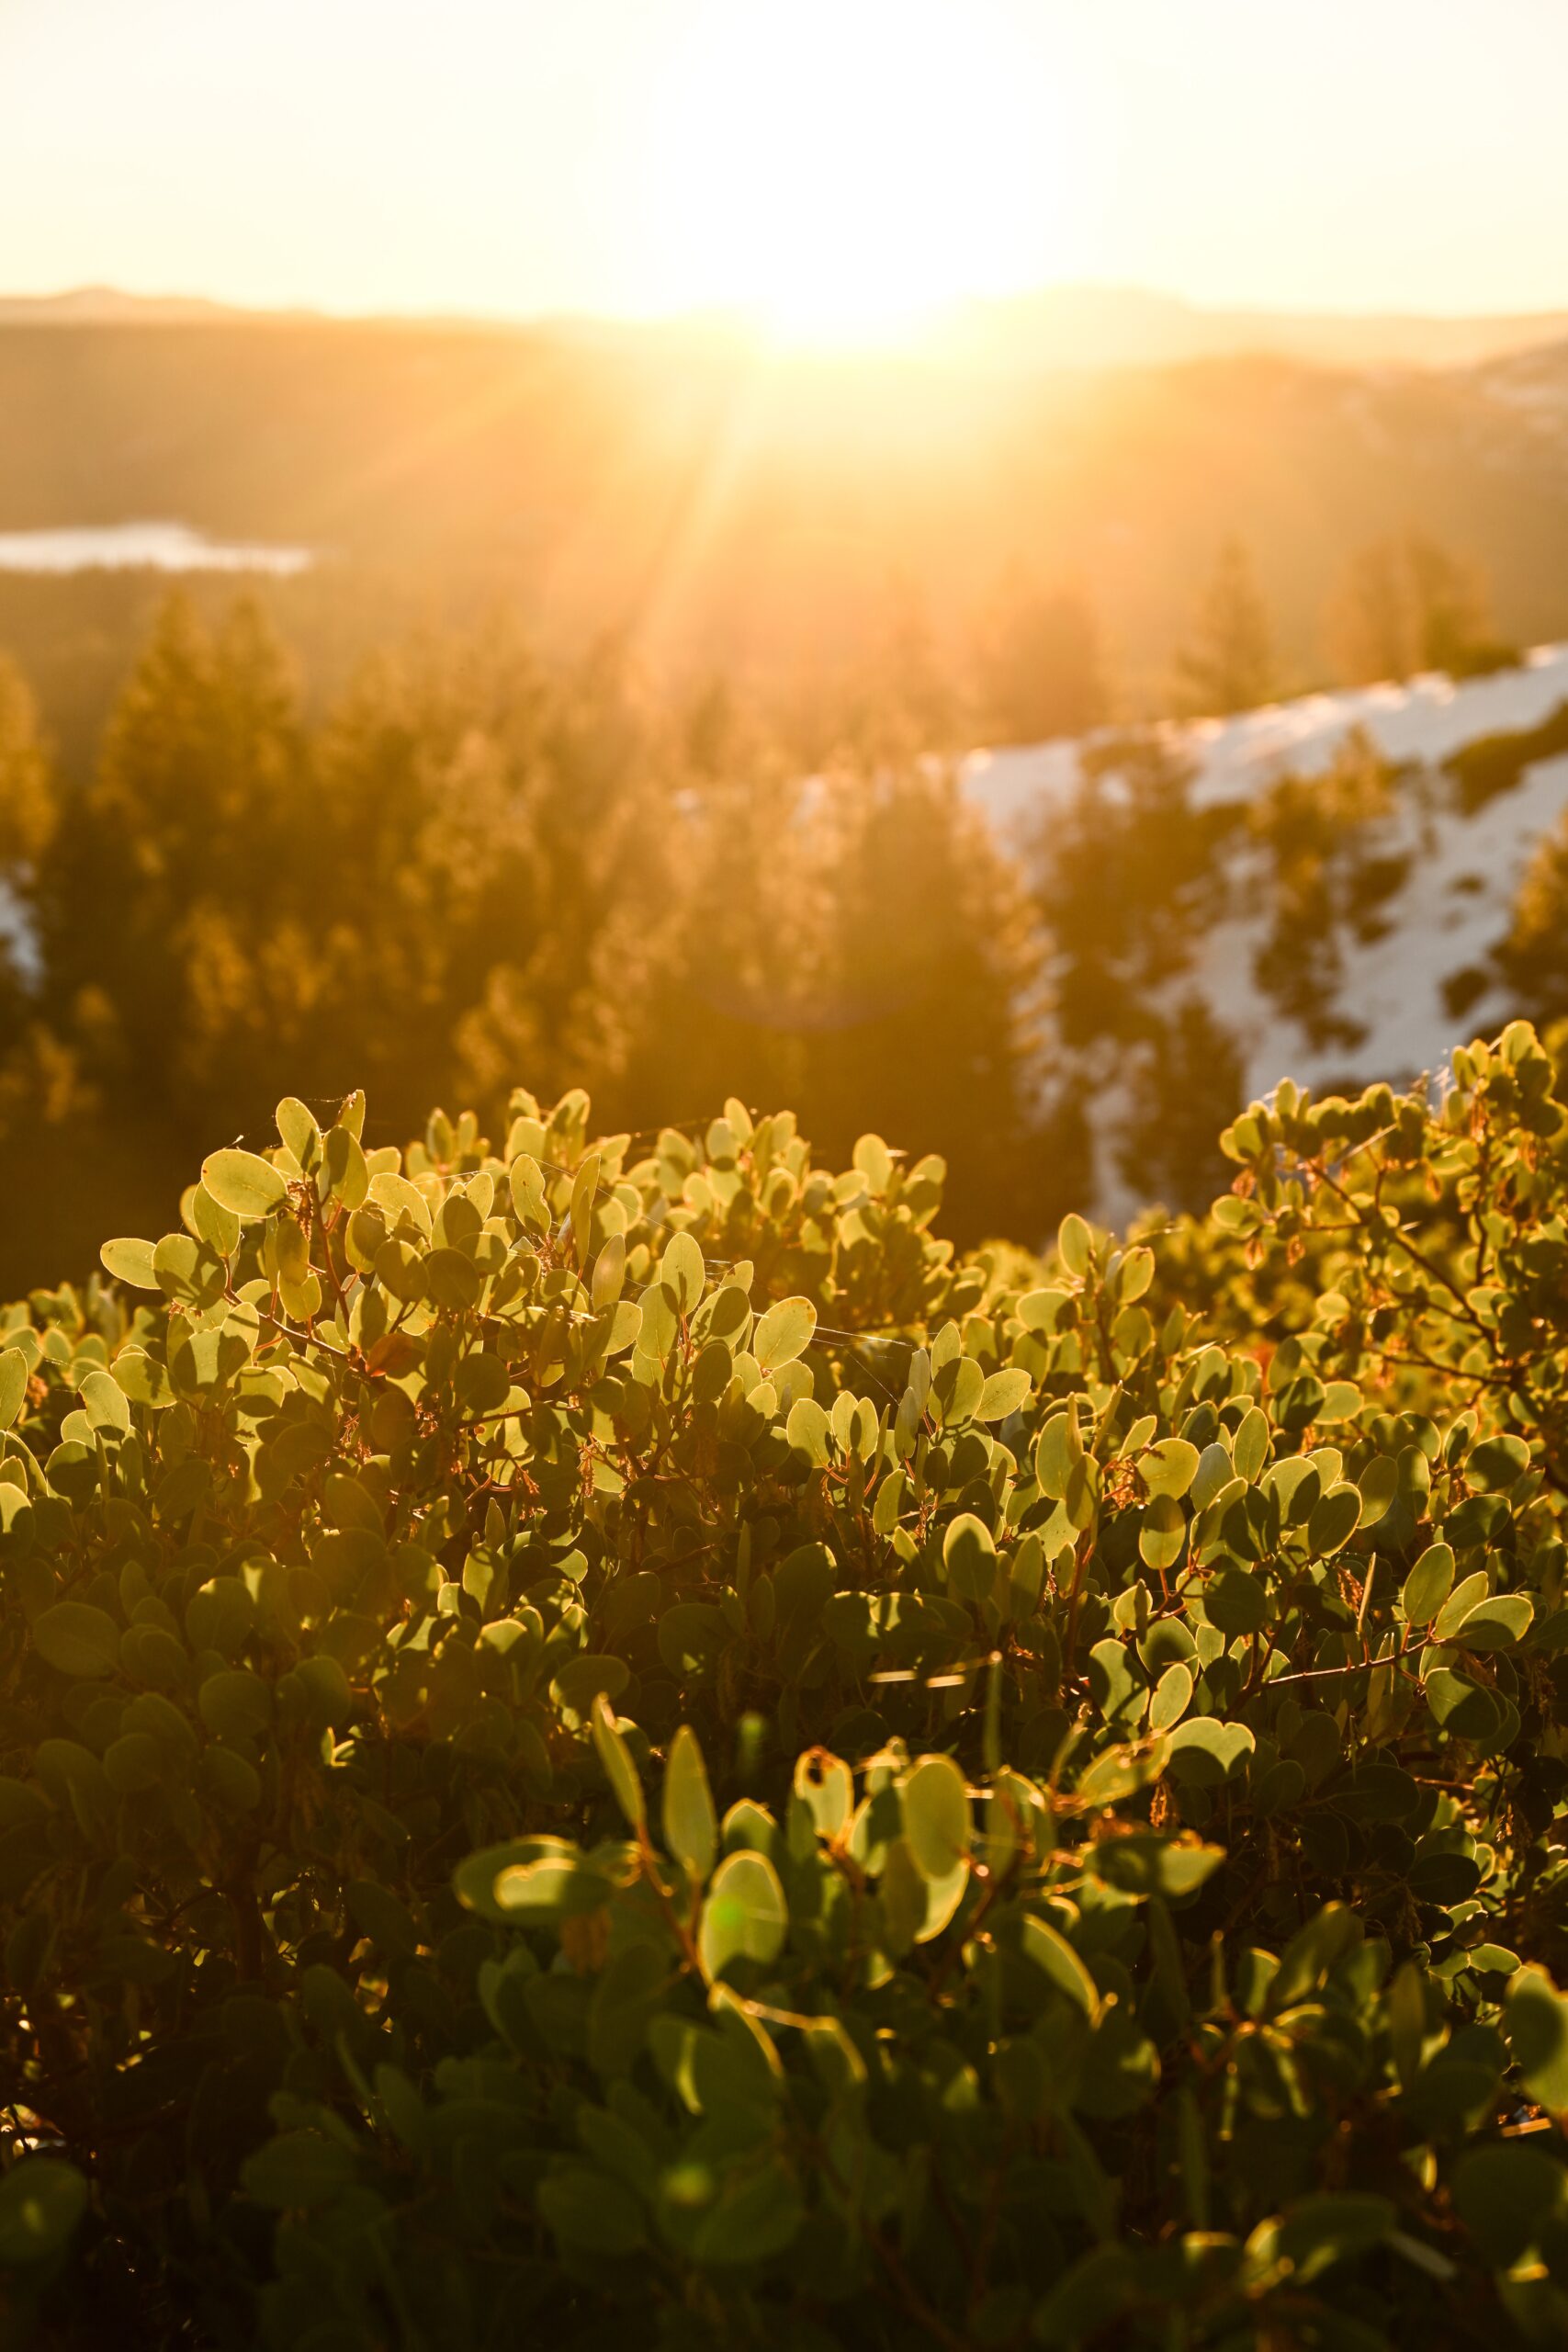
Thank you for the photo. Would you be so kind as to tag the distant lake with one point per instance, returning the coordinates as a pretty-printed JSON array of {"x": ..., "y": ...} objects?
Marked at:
[{"x": 152, "y": 547}]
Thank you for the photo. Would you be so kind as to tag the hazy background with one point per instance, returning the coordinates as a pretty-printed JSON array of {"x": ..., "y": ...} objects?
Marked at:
[{"x": 649, "y": 155}]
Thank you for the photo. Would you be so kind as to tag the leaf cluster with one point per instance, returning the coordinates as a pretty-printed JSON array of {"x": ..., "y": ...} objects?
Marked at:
[{"x": 623, "y": 1740}]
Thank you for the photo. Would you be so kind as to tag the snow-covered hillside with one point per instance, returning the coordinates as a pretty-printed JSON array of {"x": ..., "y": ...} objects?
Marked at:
[{"x": 1460, "y": 865}]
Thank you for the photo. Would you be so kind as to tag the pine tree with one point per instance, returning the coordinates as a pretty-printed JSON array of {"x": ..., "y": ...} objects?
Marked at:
[
  {"x": 1189, "y": 1078},
  {"x": 1534, "y": 957},
  {"x": 28, "y": 809},
  {"x": 1371, "y": 627},
  {"x": 1227, "y": 664},
  {"x": 1408, "y": 604},
  {"x": 1040, "y": 669},
  {"x": 932, "y": 974}
]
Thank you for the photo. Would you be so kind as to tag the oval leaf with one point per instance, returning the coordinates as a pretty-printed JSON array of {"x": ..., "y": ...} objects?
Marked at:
[{"x": 243, "y": 1182}]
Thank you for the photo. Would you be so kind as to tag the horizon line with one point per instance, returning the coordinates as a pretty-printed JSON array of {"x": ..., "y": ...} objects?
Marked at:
[{"x": 736, "y": 317}]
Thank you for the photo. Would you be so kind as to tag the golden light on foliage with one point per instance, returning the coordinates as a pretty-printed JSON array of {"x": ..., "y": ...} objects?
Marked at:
[{"x": 839, "y": 173}]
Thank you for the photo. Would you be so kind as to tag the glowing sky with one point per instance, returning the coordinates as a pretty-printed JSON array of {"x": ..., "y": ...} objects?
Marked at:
[{"x": 830, "y": 163}]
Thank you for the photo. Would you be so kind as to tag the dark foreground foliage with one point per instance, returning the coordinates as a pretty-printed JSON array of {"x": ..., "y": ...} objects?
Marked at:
[{"x": 624, "y": 1747}]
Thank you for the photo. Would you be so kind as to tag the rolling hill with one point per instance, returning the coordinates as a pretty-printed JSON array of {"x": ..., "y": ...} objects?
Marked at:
[{"x": 720, "y": 510}]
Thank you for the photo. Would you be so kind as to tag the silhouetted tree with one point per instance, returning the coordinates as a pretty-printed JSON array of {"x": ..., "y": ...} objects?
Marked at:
[
  {"x": 1533, "y": 958},
  {"x": 1185, "y": 1085},
  {"x": 1410, "y": 604},
  {"x": 28, "y": 807},
  {"x": 1228, "y": 664},
  {"x": 1040, "y": 668},
  {"x": 1370, "y": 625}
]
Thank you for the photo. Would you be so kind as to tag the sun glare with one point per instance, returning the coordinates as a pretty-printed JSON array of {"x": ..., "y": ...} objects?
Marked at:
[{"x": 841, "y": 170}]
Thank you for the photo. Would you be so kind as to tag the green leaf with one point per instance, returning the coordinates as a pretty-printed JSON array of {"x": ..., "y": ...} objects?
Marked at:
[
  {"x": 452, "y": 1280},
  {"x": 144, "y": 1379},
  {"x": 298, "y": 2170},
  {"x": 42, "y": 2200},
  {"x": 107, "y": 1406},
  {"x": 1173, "y": 1696},
  {"x": 1465, "y": 1597},
  {"x": 376, "y": 1911},
  {"x": 348, "y": 1175},
  {"x": 219, "y": 1227},
  {"x": 1331, "y": 1520},
  {"x": 234, "y": 1705},
  {"x": 243, "y": 1182},
  {"x": 1379, "y": 1483},
  {"x": 1462, "y": 1707},
  {"x": 1535, "y": 2018},
  {"x": 1164, "y": 1531},
  {"x": 1121, "y": 2069},
  {"x": 1503, "y": 2194},
  {"x": 758, "y": 2214},
  {"x": 1318, "y": 2232},
  {"x": 936, "y": 1817},
  {"x": 609, "y": 1273},
  {"x": 584, "y": 1200},
  {"x": 1074, "y": 1244},
  {"x": 1038, "y": 1310},
  {"x": 1048, "y": 1949},
  {"x": 1004, "y": 1393},
  {"x": 914, "y": 1909},
  {"x": 1169, "y": 1467},
  {"x": 783, "y": 1333},
  {"x": 1249, "y": 1447},
  {"x": 684, "y": 1274},
  {"x": 130, "y": 1262},
  {"x": 1312, "y": 1952},
  {"x": 296, "y": 1126},
  {"x": 189, "y": 1271},
  {"x": 691, "y": 1824},
  {"x": 1145, "y": 1863},
  {"x": 826, "y": 1786},
  {"x": 77, "y": 1639},
  {"x": 530, "y": 1881},
  {"x": 591, "y": 2210},
  {"x": 744, "y": 1916},
  {"x": 1210, "y": 1750},
  {"x": 808, "y": 1430},
  {"x": 14, "y": 1377},
  {"x": 1497, "y": 1464},
  {"x": 1500, "y": 1622},
  {"x": 616, "y": 1759},
  {"x": 483, "y": 1381},
  {"x": 1236, "y": 1601},
  {"x": 1058, "y": 1453},
  {"x": 1429, "y": 1584},
  {"x": 969, "y": 1558}
]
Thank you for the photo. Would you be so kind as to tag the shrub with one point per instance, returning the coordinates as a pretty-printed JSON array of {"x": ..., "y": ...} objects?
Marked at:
[{"x": 625, "y": 1746}]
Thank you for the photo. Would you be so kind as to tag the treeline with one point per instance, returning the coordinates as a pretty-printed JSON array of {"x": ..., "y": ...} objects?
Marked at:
[
  {"x": 1037, "y": 663},
  {"x": 475, "y": 871},
  {"x": 466, "y": 869},
  {"x": 1033, "y": 658}
]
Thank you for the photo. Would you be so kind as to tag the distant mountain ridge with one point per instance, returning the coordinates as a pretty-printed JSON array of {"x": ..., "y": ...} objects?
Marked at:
[
  {"x": 97, "y": 306},
  {"x": 1088, "y": 326},
  {"x": 1113, "y": 326},
  {"x": 717, "y": 509}
]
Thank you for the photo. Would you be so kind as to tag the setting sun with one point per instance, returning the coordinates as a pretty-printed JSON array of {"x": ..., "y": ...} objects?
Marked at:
[{"x": 839, "y": 173}]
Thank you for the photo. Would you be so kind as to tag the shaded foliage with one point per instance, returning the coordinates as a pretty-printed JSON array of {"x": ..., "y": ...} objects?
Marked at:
[{"x": 606, "y": 1732}]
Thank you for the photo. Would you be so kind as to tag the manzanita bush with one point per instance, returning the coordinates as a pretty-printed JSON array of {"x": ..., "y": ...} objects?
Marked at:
[{"x": 613, "y": 1748}]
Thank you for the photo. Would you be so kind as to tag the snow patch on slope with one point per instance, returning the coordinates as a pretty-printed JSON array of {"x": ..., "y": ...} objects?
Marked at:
[
  {"x": 1459, "y": 868},
  {"x": 1425, "y": 720}
]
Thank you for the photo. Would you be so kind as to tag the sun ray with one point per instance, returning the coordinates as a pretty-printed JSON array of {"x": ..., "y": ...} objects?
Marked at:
[{"x": 842, "y": 169}]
